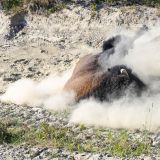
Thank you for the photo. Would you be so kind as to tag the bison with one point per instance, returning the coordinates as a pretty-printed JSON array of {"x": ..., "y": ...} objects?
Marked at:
[{"x": 90, "y": 79}]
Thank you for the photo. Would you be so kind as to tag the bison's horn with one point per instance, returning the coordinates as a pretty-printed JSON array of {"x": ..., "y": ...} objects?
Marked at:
[{"x": 124, "y": 72}]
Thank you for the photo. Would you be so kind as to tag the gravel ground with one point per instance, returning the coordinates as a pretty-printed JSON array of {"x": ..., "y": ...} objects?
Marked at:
[
  {"x": 35, "y": 116},
  {"x": 45, "y": 45}
]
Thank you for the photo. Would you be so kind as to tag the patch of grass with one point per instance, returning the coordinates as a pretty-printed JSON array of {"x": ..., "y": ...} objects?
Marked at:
[
  {"x": 119, "y": 143},
  {"x": 12, "y": 5},
  {"x": 124, "y": 146},
  {"x": 82, "y": 127},
  {"x": 94, "y": 6},
  {"x": 58, "y": 137},
  {"x": 46, "y": 6},
  {"x": 50, "y": 6},
  {"x": 65, "y": 113},
  {"x": 4, "y": 135},
  {"x": 130, "y": 2},
  {"x": 11, "y": 131},
  {"x": 9, "y": 4}
]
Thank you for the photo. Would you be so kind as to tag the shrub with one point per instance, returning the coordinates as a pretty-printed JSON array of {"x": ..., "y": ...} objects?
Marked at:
[
  {"x": 51, "y": 6},
  {"x": 9, "y": 4}
]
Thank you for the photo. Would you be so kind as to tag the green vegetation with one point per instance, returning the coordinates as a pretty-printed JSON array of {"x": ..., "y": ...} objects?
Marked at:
[
  {"x": 8, "y": 4},
  {"x": 63, "y": 114},
  {"x": 122, "y": 145},
  {"x": 116, "y": 144},
  {"x": 11, "y": 131},
  {"x": 50, "y": 6},
  {"x": 47, "y": 6},
  {"x": 130, "y": 2}
]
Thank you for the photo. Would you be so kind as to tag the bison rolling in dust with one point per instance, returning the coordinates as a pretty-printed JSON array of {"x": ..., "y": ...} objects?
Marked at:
[{"x": 90, "y": 79}]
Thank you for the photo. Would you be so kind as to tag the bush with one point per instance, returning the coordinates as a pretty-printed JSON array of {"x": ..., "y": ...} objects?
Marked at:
[
  {"x": 9, "y": 4},
  {"x": 4, "y": 135},
  {"x": 51, "y": 6},
  {"x": 48, "y": 6},
  {"x": 11, "y": 132}
]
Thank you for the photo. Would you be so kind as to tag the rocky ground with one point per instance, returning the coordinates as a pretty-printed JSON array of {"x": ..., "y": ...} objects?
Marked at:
[{"x": 34, "y": 46}]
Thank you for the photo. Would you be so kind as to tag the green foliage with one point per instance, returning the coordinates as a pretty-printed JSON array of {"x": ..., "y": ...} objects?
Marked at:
[
  {"x": 82, "y": 127},
  {"x": 118, "y": 143},
  {"x": 50, "y": 6},
  {"x": 4, "y": 135},
  {"x": 9, "y": 134},
  {"x": 122, "y": 145},
  {"x": 46, "y": 6},
  {"x": 58, "y": 137},
  {"x": 132, "y": 2},
  {"x": 9, "y": 4},
  {"x": 94, "y": 7}
]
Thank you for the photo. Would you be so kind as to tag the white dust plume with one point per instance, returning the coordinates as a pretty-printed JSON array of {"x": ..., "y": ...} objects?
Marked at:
[{"x": 48, "y": 92}]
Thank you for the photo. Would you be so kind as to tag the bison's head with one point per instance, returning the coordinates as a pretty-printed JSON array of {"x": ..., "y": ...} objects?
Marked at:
[{"x": 121, "y": 78}]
